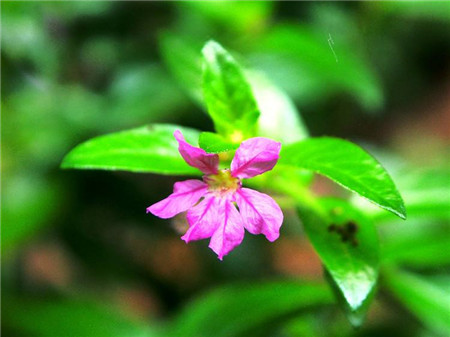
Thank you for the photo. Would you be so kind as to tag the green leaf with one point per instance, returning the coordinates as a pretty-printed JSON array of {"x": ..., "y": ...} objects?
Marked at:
[
  {"x": 214, "y": 143},
  {"x": 347, "y": 244},
  {"x": 357, "y": 316},
  {"x": 70, "y": 318},
  {"x": 227, "y": 94},
  {"x": 151, "y": 148},
  {"x": 279, "y": 117},
  {"x": 237, "y": 310},
  {"x": 426, "y": 300},
  {"x": 348, "y": 165}
]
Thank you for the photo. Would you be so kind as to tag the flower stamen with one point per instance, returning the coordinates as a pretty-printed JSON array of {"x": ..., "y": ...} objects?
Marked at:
[{"x": 222, "y": 183}]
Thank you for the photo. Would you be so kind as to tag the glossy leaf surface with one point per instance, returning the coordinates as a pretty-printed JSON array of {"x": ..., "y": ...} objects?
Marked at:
[
  {"x": 227, "y": 94},
  {"x": 151, "y": 149},
  {"x": 348, "y": 165},
  {"x": 347, "y": 244}
]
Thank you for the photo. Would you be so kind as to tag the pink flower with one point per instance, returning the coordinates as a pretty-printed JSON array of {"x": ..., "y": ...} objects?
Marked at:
[{"x": 216, "y": 215}]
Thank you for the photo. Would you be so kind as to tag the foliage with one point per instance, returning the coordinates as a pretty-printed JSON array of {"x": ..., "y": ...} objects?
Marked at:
[
  {"x": 352, "y": 258},
  {"x": 68, "y": 79}
]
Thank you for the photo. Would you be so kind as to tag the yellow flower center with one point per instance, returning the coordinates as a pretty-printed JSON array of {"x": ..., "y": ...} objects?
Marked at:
[
  {"x": 222, "y": 182},
  {"x": 237, "y": 137}
]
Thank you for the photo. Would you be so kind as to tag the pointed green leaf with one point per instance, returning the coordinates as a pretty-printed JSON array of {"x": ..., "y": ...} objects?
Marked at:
[
  {"x": 357, "y": 316},
  {"x": 237, "y": 310},
  {"x": 279, "y": 118},
  {"x": 347, "y": 244},
  {"x": 227, "y": 94},
  {"x": 348, "y": 165},
  {"x": 214, "y": 143},
  {"x": 151, "y": 149},
  {"x": 427, "y": 300}
]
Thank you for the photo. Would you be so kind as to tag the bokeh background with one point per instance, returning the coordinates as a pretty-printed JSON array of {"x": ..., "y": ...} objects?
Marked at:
[{"x": 77, "y": 247}]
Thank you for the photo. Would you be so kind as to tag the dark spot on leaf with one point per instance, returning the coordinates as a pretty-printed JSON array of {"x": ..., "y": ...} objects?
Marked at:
[
  {"x": 347, "y": 232},
  {"x": 351, "y": 227}
]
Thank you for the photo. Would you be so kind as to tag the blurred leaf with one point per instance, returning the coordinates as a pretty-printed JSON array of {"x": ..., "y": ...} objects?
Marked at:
[
  {"x": 347, "y": 244},
  {"x": 416, "y": 243},
  {"x": 348, "y": 165},
  {"x": 214, "y": 143},
  {"x": 25, "y": 36},
  {"x": 313, "y": 66},
  {"x": 28, "y": 201},
  {"x": 426, "y": 300},
  {"x": 183, "y": 58},
  {"x": 151, "y": 148},
  {"x": 69, "y": 318},
  {"x": 142, "y": 94},
  {"x": 237, "y": 310},
  {"x": 42, "y": 121},
  {"x": 73, "y": 9},
  {"x": 431, "y": 10},
  {"x": 279, "y": 118},
  {"x": 440, "y": 281},
  {"x": 305, "y": 325},
  {"x": 239, "y": 16},
  {"x": 227, "y": 94},
  {"x": 425, "y": 191}
]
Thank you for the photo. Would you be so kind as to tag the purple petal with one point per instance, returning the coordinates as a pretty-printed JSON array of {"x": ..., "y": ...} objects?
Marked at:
[
  {"x": 185, "y": 195},
  {"x": 203, "y": 219},
  {"x": 255, "y": 156},
  {"x": 230, "y": 231},
  {"x": 260, "y": 213},
  {"x": 197, "y": 157}
]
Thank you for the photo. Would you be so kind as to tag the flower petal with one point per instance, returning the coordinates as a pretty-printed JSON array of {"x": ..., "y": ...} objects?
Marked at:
[
  {"x": 260, "y": 213},
  {"x": 203, "y": 219},
  {"x": 197, "y": 157},
  {"x": 255, "y": 156},
  {"x": 230, "y": 231},
  {"x": 185, "y": 195}
]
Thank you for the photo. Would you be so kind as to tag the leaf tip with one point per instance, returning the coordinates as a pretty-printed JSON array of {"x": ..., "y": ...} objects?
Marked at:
[
  {"x": 401, "y": 212},
  {"x": 211, "y": 46},
  {"x": 65, "y": 162}
]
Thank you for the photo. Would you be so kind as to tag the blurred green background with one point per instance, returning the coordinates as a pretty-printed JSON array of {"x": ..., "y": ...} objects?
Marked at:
[{"x": 79, "y": 255}]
